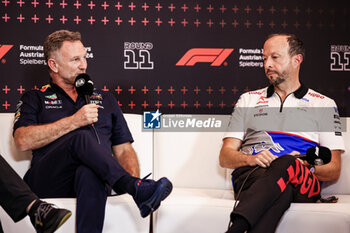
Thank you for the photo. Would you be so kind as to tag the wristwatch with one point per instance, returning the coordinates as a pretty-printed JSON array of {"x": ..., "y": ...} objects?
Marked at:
[{"x": 312, "y": 169}]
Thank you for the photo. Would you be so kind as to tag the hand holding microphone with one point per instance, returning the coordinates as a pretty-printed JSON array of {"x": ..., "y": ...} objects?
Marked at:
[
  {"x": 84, "y": 86},
  {"x": 89, "y": 113}
]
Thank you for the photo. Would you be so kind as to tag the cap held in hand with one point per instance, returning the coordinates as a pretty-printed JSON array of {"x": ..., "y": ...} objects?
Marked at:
[{"x": 317, "y": 155}]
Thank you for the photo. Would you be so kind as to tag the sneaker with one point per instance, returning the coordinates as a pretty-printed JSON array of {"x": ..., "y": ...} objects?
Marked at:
[
  {"x": 150, "y": 193},
  {"x": 47, "y": 218}
]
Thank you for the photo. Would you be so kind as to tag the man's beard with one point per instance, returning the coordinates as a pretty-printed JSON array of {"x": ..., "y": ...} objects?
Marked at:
[{"x": 278, "y": 80}]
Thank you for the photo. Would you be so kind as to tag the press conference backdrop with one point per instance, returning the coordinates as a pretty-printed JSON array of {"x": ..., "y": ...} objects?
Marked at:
[{"x": 177, "y": 56}]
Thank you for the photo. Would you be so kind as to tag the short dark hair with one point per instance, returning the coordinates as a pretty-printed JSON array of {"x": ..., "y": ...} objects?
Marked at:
[
  {"x": 55, "y": 40},
  {"x": 296, "y": 46}
]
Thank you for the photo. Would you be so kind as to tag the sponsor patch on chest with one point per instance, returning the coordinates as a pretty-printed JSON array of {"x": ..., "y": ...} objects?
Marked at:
[{"x": 53, "y": 104}]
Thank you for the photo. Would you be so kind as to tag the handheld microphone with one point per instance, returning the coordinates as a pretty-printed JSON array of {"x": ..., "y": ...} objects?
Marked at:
[
  {"x": 316, "y": 155},
  {"x": 84, "y": 86}
]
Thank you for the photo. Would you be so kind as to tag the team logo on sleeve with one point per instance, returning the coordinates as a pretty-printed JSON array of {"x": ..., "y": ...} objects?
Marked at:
[
  {"x": 44, "y": 88},
  {"x": 18, "y": 111},
  {"x": 151, "y": 119}
]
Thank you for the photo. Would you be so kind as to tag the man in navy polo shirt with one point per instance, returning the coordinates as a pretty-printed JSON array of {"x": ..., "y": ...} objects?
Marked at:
[{"x": 69, "y": 159}]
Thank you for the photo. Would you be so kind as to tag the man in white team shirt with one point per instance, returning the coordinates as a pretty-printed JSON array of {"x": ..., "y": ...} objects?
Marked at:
[{"x": 268, "y": 127}]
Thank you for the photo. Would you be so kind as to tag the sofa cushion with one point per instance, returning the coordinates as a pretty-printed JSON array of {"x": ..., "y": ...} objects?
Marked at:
[
  {"x": 208, "y": 210},
  {"x": 189, "y": 159}
]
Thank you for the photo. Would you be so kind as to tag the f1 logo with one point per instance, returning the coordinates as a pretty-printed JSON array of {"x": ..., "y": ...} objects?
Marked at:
[
  {"x": 3, "y": 50},
  {"x": 214, "y": 55}
]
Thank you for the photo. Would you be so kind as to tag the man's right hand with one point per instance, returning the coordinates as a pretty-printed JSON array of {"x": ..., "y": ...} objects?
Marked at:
[
  {"x": 86, "y": 115},
  {"x": 263, "y": 159},
  {"x": 231, "y": 156}
]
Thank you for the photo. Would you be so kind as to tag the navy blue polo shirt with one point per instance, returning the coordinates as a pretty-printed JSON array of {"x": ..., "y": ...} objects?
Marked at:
[{"x": 51, "y": 103}]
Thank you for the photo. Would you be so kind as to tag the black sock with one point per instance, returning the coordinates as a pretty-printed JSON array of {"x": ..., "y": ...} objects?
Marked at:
[
  {"x": 34, "y": 208},
  {"x": 126, "y": 184},
  {"x": 239, "y": 224}
]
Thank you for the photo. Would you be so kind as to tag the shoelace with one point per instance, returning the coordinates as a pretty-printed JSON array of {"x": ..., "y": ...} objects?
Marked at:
[
  {"x": 143, "y": 179},
  {"x": 146, "y": 176},
  {"x": 41, "y": 213}
]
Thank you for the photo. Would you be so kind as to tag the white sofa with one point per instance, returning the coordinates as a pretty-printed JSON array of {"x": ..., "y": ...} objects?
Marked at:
[{"x": 202, "y": 197}]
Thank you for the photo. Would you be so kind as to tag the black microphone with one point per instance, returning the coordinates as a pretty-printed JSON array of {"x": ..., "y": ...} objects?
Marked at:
[
  {"x": 317, "y": 155},
  {"x": 84, "y": 86}
]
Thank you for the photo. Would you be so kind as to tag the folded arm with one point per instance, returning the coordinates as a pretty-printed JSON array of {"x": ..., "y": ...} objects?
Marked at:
[{"x": 231, "y": 157}]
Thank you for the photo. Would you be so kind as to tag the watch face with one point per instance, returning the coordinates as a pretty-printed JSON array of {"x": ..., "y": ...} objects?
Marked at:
[{"x": 312, "y": 169}]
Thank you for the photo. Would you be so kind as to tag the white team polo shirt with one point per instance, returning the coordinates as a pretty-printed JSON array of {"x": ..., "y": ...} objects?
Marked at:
[{"x": 304, "y": 119}]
